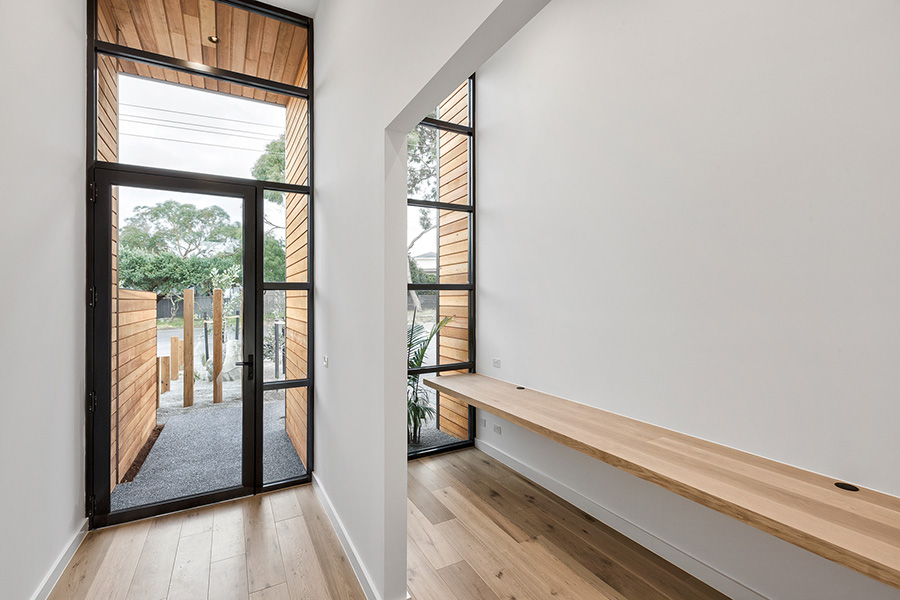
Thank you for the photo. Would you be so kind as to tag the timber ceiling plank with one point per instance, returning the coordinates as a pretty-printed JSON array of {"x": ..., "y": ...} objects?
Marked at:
[{"x": 248, "y": 42}]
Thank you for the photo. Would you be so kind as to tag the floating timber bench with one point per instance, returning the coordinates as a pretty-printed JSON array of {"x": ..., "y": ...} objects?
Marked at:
[{"x": 859, "y": 529}]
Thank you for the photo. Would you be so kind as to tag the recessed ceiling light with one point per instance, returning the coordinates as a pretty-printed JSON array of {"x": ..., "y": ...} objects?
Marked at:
[{"x": 213, "y": 39}]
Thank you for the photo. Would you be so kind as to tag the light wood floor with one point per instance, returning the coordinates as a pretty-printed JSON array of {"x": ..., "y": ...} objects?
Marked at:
[
  {"x": 479, "y": 531},
  {"x": 476, "y": 531},
  {"x": 277, "y": 546}
]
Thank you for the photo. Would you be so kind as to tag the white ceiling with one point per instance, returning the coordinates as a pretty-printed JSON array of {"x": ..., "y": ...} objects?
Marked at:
[{"x": 304, "y": 7}]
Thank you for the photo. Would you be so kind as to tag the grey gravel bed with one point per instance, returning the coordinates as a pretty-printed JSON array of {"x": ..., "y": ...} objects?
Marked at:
[
  {"x": 430, "y": 437},
  {"x": 200, "y": 451}
]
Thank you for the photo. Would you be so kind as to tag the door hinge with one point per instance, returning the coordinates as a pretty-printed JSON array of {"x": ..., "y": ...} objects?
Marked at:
[
  {"x": 92, "y": 192},
  {"x": 92, "y": 296},
  {"x": 92, "y": 401},
  {"x": 92, "y": 505}
]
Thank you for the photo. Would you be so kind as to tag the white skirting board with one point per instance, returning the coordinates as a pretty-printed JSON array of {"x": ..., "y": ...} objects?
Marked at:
[
  {"x": 365, "y": 580},
  {"x": 62, "y": 561},
  {"x": 700, "y": 570}
]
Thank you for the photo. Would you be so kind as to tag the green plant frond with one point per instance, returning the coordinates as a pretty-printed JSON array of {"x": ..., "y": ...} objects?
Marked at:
[{"x": 418, "y": 408}]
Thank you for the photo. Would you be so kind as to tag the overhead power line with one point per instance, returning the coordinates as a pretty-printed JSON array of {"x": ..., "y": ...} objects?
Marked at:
[
  {"x": 179, "y": 112},
  {"x": 269, "y": 136},
  {"x": 203, "y": 131},
  {"x": 151, "y": 137}
]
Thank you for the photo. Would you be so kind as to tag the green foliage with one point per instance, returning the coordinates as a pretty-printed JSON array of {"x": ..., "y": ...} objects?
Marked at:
[
  {"x": 418, "y": 409},
  {"x": 181, "y": 229},
  {"x": 422, "y": 163},
  {"x": 417, "y": 274},
  {"x": 225, "y": 278},
  {"x": 270, "y": 166},
  {"x": 168, "y": 274},
  {"x": 273, "y": 258},
  {"x": 171, "y": 246}
]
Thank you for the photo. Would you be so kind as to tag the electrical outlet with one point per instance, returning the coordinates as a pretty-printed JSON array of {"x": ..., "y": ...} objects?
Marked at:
[
  {"x": 497, "y": 430},
  {"x": 496, "y": 363},
  {"x": 482, "y": 422},
  {"x": 325, "y": 361}
]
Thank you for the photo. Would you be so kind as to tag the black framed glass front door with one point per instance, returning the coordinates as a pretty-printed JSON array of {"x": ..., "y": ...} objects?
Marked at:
[{"x": 188, "y": 395}]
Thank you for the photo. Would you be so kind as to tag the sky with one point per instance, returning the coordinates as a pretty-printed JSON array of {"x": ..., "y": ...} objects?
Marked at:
[{"x": 188, "y": 129}]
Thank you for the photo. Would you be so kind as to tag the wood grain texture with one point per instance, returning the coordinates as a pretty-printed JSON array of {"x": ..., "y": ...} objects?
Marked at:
[
  {"x": 135, "y": 376},
  {"x": 453, "y": 255},
  {"x": 228, "y": 579},
  {"x": 249, "y": 43},
  {"x": 860, "y": 530},
  {"x": 188, "y": 348},
  {"x": 559, "y": 552},
  {"x": 203, "y": 554},
  {"x": 292, "y": 552},
  {"x": 174, "y": 359},
  {"x": 261, "y": 540},
  {"x": 218, "y": 304},
  {"x": 340, "y": 579}
]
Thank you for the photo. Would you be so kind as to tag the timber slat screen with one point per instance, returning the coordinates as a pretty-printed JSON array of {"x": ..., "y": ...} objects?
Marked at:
[
  {"x": 134, "y": 413},
  {"x": 449, "y": 197}
]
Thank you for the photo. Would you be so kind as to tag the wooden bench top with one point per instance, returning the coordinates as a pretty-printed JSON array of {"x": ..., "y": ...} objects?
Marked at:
[{"x": 860, "y": 530}]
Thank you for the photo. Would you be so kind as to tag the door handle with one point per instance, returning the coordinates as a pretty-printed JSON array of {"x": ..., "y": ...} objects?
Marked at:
[{"x": 249, "y": 364}]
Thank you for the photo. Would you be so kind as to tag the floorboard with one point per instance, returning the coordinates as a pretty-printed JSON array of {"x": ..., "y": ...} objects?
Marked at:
[
  {"x": 517, "y": 540},
  {"x": 476, "y": 530},
  {"x": 275, "y": 546}
]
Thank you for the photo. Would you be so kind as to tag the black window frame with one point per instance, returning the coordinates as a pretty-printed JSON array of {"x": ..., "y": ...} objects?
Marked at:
[
  {"x": 98, "y": 305},
  {"x": 469, "y": 208}
]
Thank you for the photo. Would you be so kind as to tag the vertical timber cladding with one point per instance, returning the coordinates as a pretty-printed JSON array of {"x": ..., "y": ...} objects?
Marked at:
[
  {"x": 108, "y": 150},
  {"x": 137, "y": 374},
  {"x": 297, "y": 267},
  {"x": 453, "y": 254}
]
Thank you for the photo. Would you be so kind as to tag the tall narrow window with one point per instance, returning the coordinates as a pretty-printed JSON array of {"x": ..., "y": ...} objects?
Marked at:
[{"x": 441, "y": 274}]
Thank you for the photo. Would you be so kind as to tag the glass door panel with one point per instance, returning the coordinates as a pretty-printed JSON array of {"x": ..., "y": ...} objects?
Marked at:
[
  {"x": 181, "y": 333},
  {"x": 285, "y": 330}
]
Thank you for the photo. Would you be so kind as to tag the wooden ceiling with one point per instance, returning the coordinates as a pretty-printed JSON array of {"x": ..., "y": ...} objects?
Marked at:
[{"x": 249, "y": 43}]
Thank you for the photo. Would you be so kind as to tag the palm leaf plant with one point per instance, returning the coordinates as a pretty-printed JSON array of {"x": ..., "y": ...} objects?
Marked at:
[{"x": 418, "y": 408}]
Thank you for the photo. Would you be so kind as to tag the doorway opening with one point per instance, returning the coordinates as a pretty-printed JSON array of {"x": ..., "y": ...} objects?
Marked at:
[
  {"x": 441, "y": 271},
  {"x": 200, "y": 254}
]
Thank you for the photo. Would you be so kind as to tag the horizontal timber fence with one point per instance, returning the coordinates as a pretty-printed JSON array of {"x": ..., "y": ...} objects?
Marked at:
[{"x": 134, "y": 403}]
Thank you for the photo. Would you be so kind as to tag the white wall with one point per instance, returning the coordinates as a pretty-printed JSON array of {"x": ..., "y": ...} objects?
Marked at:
[
  {"x": 379, "y": 68},
  {"x": 688, "y": 214},
  {"x": 42, "y": 45}
]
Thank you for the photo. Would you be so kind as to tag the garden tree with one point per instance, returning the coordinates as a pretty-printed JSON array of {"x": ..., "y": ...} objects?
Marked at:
[
  {"x": 422, "y": 164},
  {"x": 421, "y": 184},
  {"x": 274, "y": 260},
  {"x": 418, "y": 274},
  {"x": 270, "y": 167},
  {"x": 171, "y": 246},
  {"x": 182, "y": 229},
  {"x": 168, "y": 274}
]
